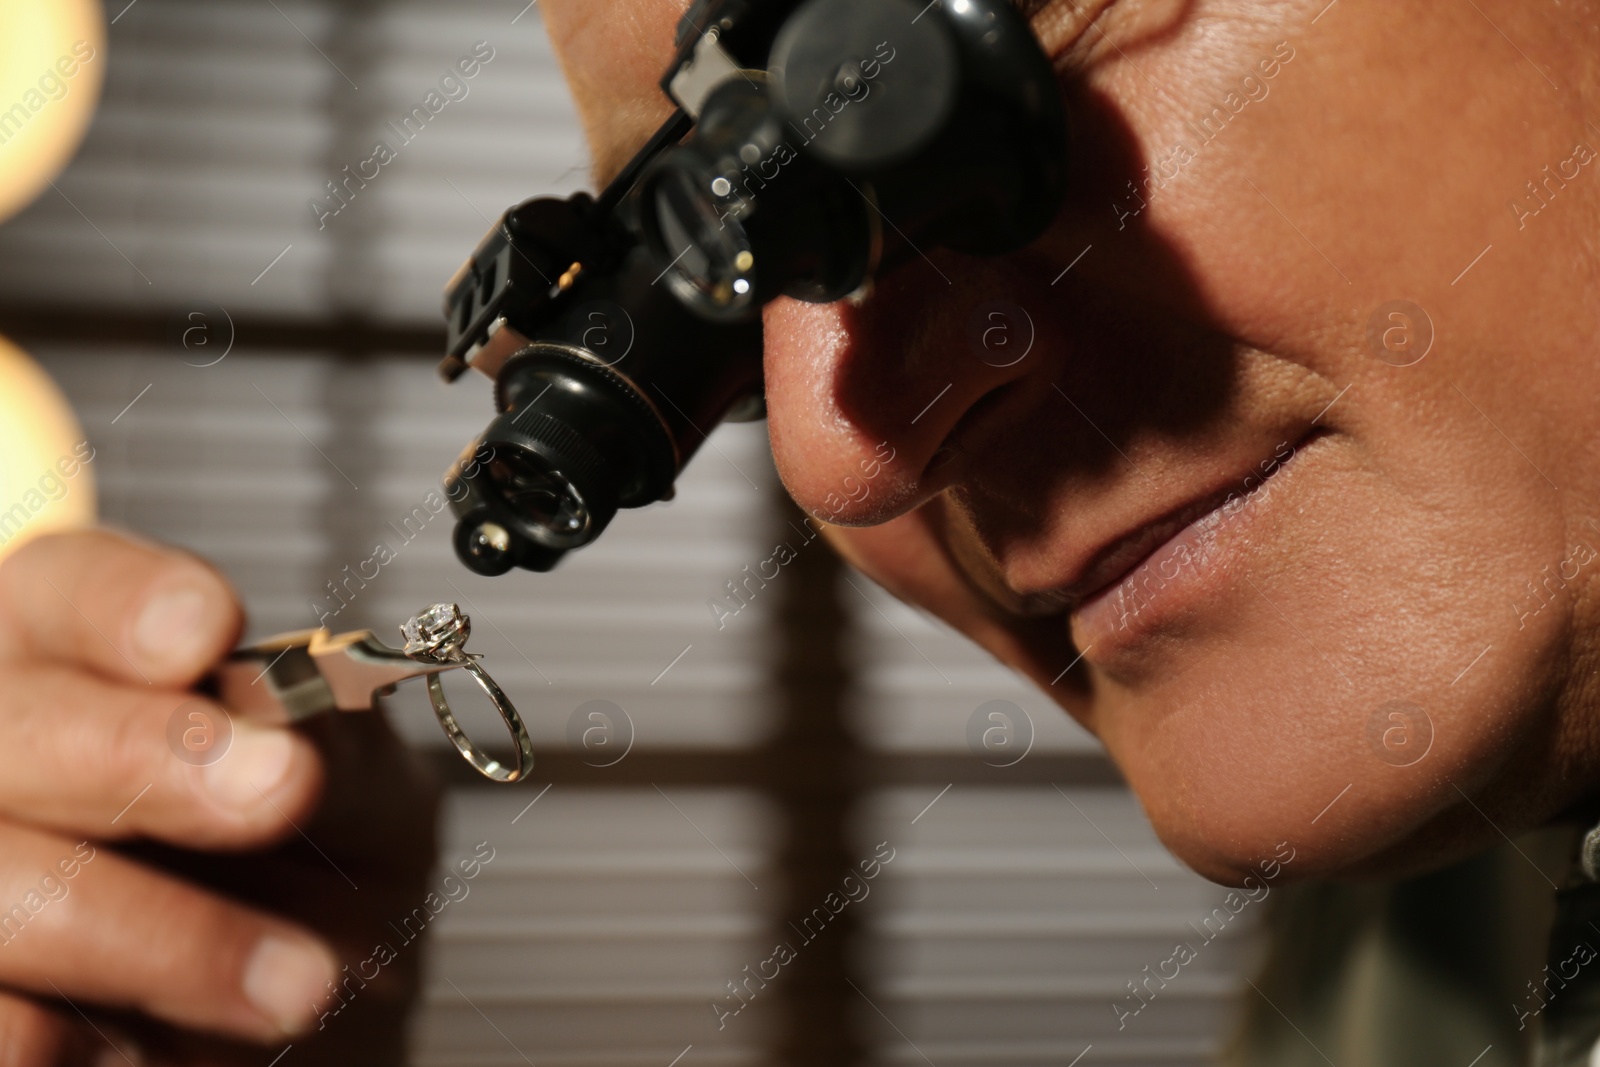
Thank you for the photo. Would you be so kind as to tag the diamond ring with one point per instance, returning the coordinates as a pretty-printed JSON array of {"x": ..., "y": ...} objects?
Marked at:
[{"x": 439, "y": 635}]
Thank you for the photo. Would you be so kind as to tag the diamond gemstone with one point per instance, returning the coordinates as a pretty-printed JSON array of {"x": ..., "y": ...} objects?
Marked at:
[{"x": 435, "y": 629}]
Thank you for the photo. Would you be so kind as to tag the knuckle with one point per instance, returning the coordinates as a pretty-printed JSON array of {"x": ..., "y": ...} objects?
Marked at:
[
  {"x": 194, "y": 970},
  {"x": 131, "y": 748},
  {"x": 199, "y": 798},
  {"x": 63, "y": 556}
]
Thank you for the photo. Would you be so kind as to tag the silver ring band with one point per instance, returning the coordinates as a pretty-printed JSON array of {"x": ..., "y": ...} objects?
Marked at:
[{"x": 486, "y": 765}]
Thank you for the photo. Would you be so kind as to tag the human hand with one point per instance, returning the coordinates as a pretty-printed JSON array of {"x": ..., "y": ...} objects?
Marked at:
[{"x": 204, "y": 910}]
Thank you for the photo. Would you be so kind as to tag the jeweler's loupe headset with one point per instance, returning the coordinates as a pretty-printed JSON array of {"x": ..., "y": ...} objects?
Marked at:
[{"x": 815, "y": 146}]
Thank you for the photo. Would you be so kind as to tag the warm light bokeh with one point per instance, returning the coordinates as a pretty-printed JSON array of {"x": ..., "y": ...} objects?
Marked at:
[
  {"x": 52, "y": 64},
  {"x": 45, "y": 484}
]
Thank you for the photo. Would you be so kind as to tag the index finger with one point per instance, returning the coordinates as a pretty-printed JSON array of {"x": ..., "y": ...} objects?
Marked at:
[{"x": 127, "y": 609}]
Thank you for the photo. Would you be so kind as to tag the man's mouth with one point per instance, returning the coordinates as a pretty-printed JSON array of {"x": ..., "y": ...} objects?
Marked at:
[{"x": 1180, "y": 532}]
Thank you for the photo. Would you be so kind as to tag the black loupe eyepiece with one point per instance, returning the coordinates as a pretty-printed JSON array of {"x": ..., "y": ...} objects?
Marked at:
[{"x": 574, "y": 442}]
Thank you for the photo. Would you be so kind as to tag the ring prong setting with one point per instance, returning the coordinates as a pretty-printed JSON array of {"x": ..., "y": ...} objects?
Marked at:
[{"x": 438, "y": 632}]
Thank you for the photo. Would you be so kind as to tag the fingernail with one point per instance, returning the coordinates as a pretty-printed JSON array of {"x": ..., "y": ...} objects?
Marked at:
[
  {"x": 169, "y": 627},
  {"x": 255, "y": 764},
  {"x": 287, "y": 981}
]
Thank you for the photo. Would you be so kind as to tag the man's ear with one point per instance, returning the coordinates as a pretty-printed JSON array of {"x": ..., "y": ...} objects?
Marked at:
[{"x": 613, "y": 53}]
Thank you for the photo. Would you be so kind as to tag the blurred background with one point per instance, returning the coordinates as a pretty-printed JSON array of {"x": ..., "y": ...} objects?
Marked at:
[{"x": 255, "y": 373}]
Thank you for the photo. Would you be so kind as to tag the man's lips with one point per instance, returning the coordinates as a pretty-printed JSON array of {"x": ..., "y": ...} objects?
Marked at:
[
  {"x": 1123, "y": 556},
  {"x": 1107, "y": 565}
]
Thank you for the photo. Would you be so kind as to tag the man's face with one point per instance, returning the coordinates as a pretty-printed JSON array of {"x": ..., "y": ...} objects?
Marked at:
[{"x": 1293, "y": 501}]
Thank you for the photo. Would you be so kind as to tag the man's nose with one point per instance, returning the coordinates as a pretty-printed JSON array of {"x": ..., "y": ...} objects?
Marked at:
[{"x": 863, "y": 401}]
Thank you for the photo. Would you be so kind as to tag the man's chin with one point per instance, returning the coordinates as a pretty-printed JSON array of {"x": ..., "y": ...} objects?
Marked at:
[
  {"x": 1365, "y": 845},
  {"x": 1239, "y": 862},
  {"x": 1224, "y": 805}
]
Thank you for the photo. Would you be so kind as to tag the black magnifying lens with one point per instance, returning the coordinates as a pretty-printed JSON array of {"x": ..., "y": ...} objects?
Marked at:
[
  {"x": 739, "y": 215},
  {"x": 542, "y": 496},
  {"x": 714, "y": 268}
]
